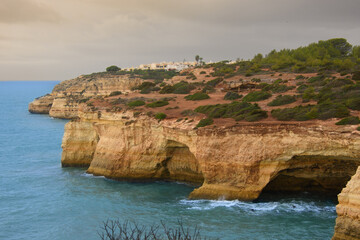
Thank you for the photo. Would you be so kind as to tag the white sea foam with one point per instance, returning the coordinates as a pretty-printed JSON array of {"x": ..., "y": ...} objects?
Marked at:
[
  {"x": 90, "y": 175},
  {"x": 260, "y": 207}
]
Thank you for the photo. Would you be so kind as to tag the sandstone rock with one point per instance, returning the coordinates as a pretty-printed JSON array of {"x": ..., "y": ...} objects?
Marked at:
[
  {"x": 64, "y": 108},
  {"x": 231, "y": 163},
  {"x": 63, "y": 102},
  {"x": 41, "y": 105},
  {"x": 348, "y": 210}
]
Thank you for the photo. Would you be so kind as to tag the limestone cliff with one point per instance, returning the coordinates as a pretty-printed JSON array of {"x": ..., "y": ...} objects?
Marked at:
[
  {"x": 237, "y": 162},
  {"x": 41, "y": 105},
  {"x": 348, "y": 210},
  {"x": 64, "y": 100}
]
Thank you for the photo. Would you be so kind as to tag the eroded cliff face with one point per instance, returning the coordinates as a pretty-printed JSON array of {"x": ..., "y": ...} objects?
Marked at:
[
  {"x": 65, "y": 98},
  {"x": 236, "y": 162},
  {"x": 97, "y": 85},
  {"x": 64, "y": 108},
  {"x": 41, "y": 105},
  {"x": 348, "y": 210}
]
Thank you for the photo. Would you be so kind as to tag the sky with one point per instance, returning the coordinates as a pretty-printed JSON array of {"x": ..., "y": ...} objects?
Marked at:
[{"x": 61, "y": 39}]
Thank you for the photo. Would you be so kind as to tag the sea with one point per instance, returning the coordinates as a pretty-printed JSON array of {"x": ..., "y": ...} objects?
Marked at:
[{"x": 41, "y": 200}]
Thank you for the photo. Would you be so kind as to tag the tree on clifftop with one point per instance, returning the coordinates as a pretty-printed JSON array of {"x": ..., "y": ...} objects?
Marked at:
[{"x": 113, "y": 68}]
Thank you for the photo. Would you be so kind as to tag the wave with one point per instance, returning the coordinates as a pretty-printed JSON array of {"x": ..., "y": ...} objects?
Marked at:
[
  {"x": 261, "y": 207},
  {"x": 91, "y": 175}
]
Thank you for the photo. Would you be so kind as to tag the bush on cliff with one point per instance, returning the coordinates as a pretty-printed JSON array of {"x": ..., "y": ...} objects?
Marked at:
[
  {"x": 282, "y": 100},
  {"x": 237, "y": 110},
  {"x": 156, "y": 104},
  {"x": 182, "y": 87},
  {"x": 214, "y": 82},
  {"x": 352, "y": 120},
  {"x": 256, "y": 96},
  {"x": 232, "y": 96},
  {"x": 205, "y": 122},
  {"x": 146, "y": 87},
  {"x": 353, "y": 103},
  {"x": 136, "y": 103},
  {"x": 197, "y": 96},
  {"x": 160, "y": 116},
  {"x": 322, "y": 111}
]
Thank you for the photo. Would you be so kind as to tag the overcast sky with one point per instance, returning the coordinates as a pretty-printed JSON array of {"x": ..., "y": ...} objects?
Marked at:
[{"x": 61, "y": 39}]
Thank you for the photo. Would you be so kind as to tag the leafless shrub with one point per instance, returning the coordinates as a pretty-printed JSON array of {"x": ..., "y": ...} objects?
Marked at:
[{"x": 117, "y": 230}]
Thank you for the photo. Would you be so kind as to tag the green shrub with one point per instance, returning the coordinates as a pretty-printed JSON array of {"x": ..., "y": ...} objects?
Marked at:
[
  {"x": 256, "y": 80},
  {"x": 197, "y": 96},
  {"x": 328, "y": 109},
  {"x": 167, "y": 89},
  {"x": 256, "y": 96},
  {"x": 160, "y": 116},
  {"x": 280, "y": 88},
  {"x": 352, "y": 120},
  {"x": 232, "y": 96},
  {"x": 282, "y": 100},
  {"x": 358, "y": 128},
  {"x": 115, "y": 93},
  {"x": 146, "y": 90},
  {"x": 353, "y": 103},
  {"x": 302, "y": 88},
  {"x": 156, "y": 104},
  {"x": 299, "y": 77},
  {"x": 205, "y": 122},
  {"x": 214, "y": 82},
  {"x": 202, "y": 72},
  {"x": 136, "y": 103},
  {"x": 255, "y": 115},
  {"x": 145, "y": 85},
  {"x": 237, "y": 110},
  {"x": 208, "y": 89},
  {"x": 178, "y": 88},
  {"x": 308, "y": 94},
  {"x": 322, "y": 111},
  {"x": 299, "y": 113},
  {"x": 182, "y": 90}
]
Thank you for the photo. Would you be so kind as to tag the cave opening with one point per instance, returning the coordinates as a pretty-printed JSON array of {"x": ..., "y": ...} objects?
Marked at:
[
  {"x": 180, "y": 164},
  {"x": 319, "y": 176}
]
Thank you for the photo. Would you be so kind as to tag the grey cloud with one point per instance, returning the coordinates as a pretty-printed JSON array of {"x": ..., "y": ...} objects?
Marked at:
[
  {"x": 24, "y": 11},
  {"x": 93, "y": 34}
]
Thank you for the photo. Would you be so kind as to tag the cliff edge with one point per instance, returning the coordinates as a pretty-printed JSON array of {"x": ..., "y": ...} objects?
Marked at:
[{"x": 348, "y": 211}]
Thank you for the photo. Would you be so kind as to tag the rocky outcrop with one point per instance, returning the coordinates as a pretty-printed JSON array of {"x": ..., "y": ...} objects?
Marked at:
[
  {"x": 348, "y": 210},
  {"x": 64, "y": 108},
  {"x": 236, "y": 162},
  {"x": 64, "y": 100},
  {"x": 79, "y": 144},
  {"x": 99, "y": 84},
  {"x": 41, "y": 105}
]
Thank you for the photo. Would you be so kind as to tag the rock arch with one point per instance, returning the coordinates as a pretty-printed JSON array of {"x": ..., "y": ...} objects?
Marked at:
[
  {"x": 313, "y": 173},
  {"x": 179, "y": 164}
]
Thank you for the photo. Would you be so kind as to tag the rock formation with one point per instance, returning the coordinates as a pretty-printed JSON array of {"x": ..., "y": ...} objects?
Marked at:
[
  {"x": 41, "y": 105},
  {"x": 237, "y": 162},
  {"x": 64, "y": 100},
  {"x": 348, "y": 210},
  {"x": 227, "y": 160}
]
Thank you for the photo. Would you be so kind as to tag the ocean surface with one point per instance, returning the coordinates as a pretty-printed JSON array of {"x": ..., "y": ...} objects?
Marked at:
[{"x": 41, "y": 200}]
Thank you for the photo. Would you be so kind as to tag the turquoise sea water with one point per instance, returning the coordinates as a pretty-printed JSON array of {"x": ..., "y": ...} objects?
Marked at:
[{"x": 41, "y": 200}]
